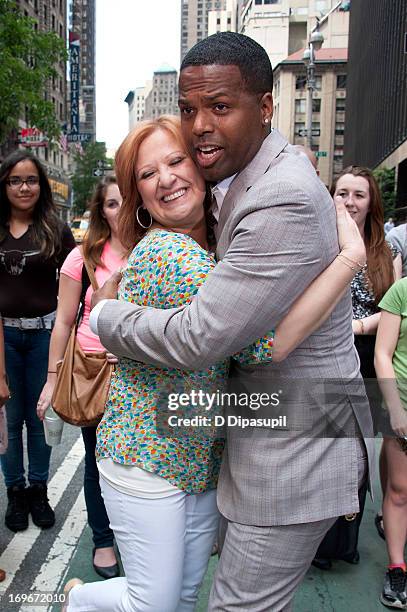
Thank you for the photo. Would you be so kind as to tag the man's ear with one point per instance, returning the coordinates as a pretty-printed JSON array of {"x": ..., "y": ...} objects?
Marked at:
[{"x": 267, "y": 107}]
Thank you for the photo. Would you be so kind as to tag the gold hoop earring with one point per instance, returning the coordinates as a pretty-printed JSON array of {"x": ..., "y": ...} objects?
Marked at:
[{"x": 138, "y": 219}]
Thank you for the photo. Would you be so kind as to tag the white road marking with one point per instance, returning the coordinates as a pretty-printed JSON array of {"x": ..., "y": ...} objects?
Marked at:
[
  {"x": 21, "y": 544},
  {"x": 55, "y": 566}
]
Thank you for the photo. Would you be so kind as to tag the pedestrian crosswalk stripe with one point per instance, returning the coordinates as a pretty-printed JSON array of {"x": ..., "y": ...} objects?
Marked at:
[
  {"x": 56, "y": 565},
  {"x": 23, "y": 541}
]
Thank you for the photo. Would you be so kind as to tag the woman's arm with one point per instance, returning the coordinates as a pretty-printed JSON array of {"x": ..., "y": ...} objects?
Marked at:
[
  {"x": 368, "y": 325},
  {"x": 4, "y": 390},
  {"x": 397, "y": 267},
  {"x": 318, "y": 301},
  {"x": 68, "y": 303},
  {"x": 386, "y": 342}
]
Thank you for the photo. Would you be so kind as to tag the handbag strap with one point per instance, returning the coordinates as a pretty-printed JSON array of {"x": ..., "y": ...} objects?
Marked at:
[
  {"x": 91, "y": 274},
  {"x": 88, "y": 278}
]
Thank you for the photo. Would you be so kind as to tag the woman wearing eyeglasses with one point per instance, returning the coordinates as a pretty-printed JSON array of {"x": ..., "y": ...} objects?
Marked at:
[{"x": 33, "y": 246}]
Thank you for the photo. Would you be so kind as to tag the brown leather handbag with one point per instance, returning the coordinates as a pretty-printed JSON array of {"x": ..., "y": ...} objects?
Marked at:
[{"x": 83, "y": 379}]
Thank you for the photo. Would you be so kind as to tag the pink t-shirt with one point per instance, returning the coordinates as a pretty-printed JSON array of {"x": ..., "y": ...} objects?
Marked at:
[{"x": 72, "y": 267}]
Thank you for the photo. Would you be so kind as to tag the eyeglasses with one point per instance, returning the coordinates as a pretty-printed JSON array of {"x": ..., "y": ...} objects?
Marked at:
[{"x": 15, "y": 182}]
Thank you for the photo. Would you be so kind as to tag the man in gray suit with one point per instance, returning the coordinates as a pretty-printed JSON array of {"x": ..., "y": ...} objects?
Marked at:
[{"x": 276, "y": 232}]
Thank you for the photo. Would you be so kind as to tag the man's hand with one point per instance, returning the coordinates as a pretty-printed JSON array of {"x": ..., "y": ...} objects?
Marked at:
[{"x": 108, "y": 291}]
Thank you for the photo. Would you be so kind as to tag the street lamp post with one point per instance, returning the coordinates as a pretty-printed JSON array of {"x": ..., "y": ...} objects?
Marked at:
[{"x": 315, "y": 42}]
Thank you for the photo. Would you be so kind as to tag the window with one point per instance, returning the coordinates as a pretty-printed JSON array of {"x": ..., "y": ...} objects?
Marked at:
[
  {"x": 318, "y": 82},
  {"x": 299, "y": 128},
  {"x": 300, "y": 82},
  {"x": 300, "y": 106},
  {"x": 340, "y": 105},
  {"x": 258, "y": 2},
  {"x": 271, "y": 1},
  {"x": 341, "y": 81},
  {"x": 339, "y": 128},
  {"x": 316, "y": 105}
]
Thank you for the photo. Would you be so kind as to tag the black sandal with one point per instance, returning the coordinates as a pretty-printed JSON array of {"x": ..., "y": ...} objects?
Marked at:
[{"x": 378, "y": 521}]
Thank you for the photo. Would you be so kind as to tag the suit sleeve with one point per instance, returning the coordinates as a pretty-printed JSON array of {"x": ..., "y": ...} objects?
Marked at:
[{"x": 275, "y": 253}]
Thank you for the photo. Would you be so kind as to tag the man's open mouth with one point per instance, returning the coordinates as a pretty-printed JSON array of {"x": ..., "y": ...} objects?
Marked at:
[{"x": 207, "y": 155}]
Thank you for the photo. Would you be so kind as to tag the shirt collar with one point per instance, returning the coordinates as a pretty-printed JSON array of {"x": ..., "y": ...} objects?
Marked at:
[{"x": 219, "y": 193}]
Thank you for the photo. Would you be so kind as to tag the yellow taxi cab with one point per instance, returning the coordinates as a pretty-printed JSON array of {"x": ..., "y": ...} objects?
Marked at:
[{"x": 79, "y": 227}]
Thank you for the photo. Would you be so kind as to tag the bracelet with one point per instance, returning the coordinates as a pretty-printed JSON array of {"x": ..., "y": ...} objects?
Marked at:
[
  {"x": 344, "y": 261},
  {"x": 52, "y": 371},
  {"x": 362, "y": 327},
  {"x": 352, "y": 261}
]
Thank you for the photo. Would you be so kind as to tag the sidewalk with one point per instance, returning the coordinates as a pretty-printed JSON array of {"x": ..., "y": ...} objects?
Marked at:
[{"x": 346, "y": 588}]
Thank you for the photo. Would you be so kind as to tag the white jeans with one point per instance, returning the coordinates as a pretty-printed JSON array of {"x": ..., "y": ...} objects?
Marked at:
[{"x": 165, "y": 545}]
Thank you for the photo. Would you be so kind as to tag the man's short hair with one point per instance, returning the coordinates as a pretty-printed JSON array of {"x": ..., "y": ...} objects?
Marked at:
[{"x": 233, "y": 49}]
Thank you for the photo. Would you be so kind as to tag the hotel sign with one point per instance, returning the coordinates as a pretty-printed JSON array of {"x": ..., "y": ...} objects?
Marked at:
[{"x": 74, "y": 62}]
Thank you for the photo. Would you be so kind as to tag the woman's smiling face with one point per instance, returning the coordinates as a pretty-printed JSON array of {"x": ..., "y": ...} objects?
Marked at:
[
  {"x": 169, "y": 183},
  {"x": 354, "y": 191}
]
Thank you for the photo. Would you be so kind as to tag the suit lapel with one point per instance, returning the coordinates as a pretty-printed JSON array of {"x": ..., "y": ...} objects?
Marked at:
[{"x": 269, "y": 150}]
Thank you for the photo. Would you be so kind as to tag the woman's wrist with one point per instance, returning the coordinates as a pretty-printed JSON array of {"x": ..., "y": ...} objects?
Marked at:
[
  {"x": 358, "y": 327},
  {"x": 356, "y": 257}
]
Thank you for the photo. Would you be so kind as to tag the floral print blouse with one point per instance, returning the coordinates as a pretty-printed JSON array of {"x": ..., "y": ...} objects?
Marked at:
[
  {"x": 363, "y": 300},
  {"x": 165, "y": 270}
]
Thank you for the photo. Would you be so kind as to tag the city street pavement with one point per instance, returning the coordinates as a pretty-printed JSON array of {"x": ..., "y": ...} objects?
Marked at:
[{"x": 43, "y": 561}]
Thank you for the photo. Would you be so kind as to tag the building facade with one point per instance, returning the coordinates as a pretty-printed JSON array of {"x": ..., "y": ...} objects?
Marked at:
[
  {"x": 136, "y": 100},
  {"x": 224, "y": 20},
  {"x": 282, "y": 27},
  {"x": 328, "y": 106},
  {"x": 82, "y": 22},
  {"x": 376, "y": 127},
  {"x": 163, "y": 96},
  {"x": 195, "y": 20}
]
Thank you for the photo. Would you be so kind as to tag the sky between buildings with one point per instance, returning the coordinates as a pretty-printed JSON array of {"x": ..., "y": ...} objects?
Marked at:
[{"x": 133, "y": 38}]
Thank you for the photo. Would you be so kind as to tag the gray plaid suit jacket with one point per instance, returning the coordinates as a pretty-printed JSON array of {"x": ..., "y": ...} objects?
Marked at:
[{"x": 276, "y": 233}]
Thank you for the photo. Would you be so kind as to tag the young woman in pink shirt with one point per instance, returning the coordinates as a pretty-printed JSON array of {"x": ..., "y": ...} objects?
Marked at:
[{"x": 104, "y": 252}]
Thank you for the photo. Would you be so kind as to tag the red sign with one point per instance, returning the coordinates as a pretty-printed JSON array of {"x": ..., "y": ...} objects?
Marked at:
[{"x": 32, "y": 137}]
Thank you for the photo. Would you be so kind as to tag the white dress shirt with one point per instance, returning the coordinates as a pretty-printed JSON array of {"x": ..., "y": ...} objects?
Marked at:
[{"x": 219, "y": 193}]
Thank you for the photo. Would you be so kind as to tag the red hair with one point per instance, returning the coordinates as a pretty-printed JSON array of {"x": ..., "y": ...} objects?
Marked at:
[{"x": 130, "y": 231}]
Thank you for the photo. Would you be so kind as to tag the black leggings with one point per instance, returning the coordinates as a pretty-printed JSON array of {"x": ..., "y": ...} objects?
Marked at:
[{"x": 97, "y": 516}]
